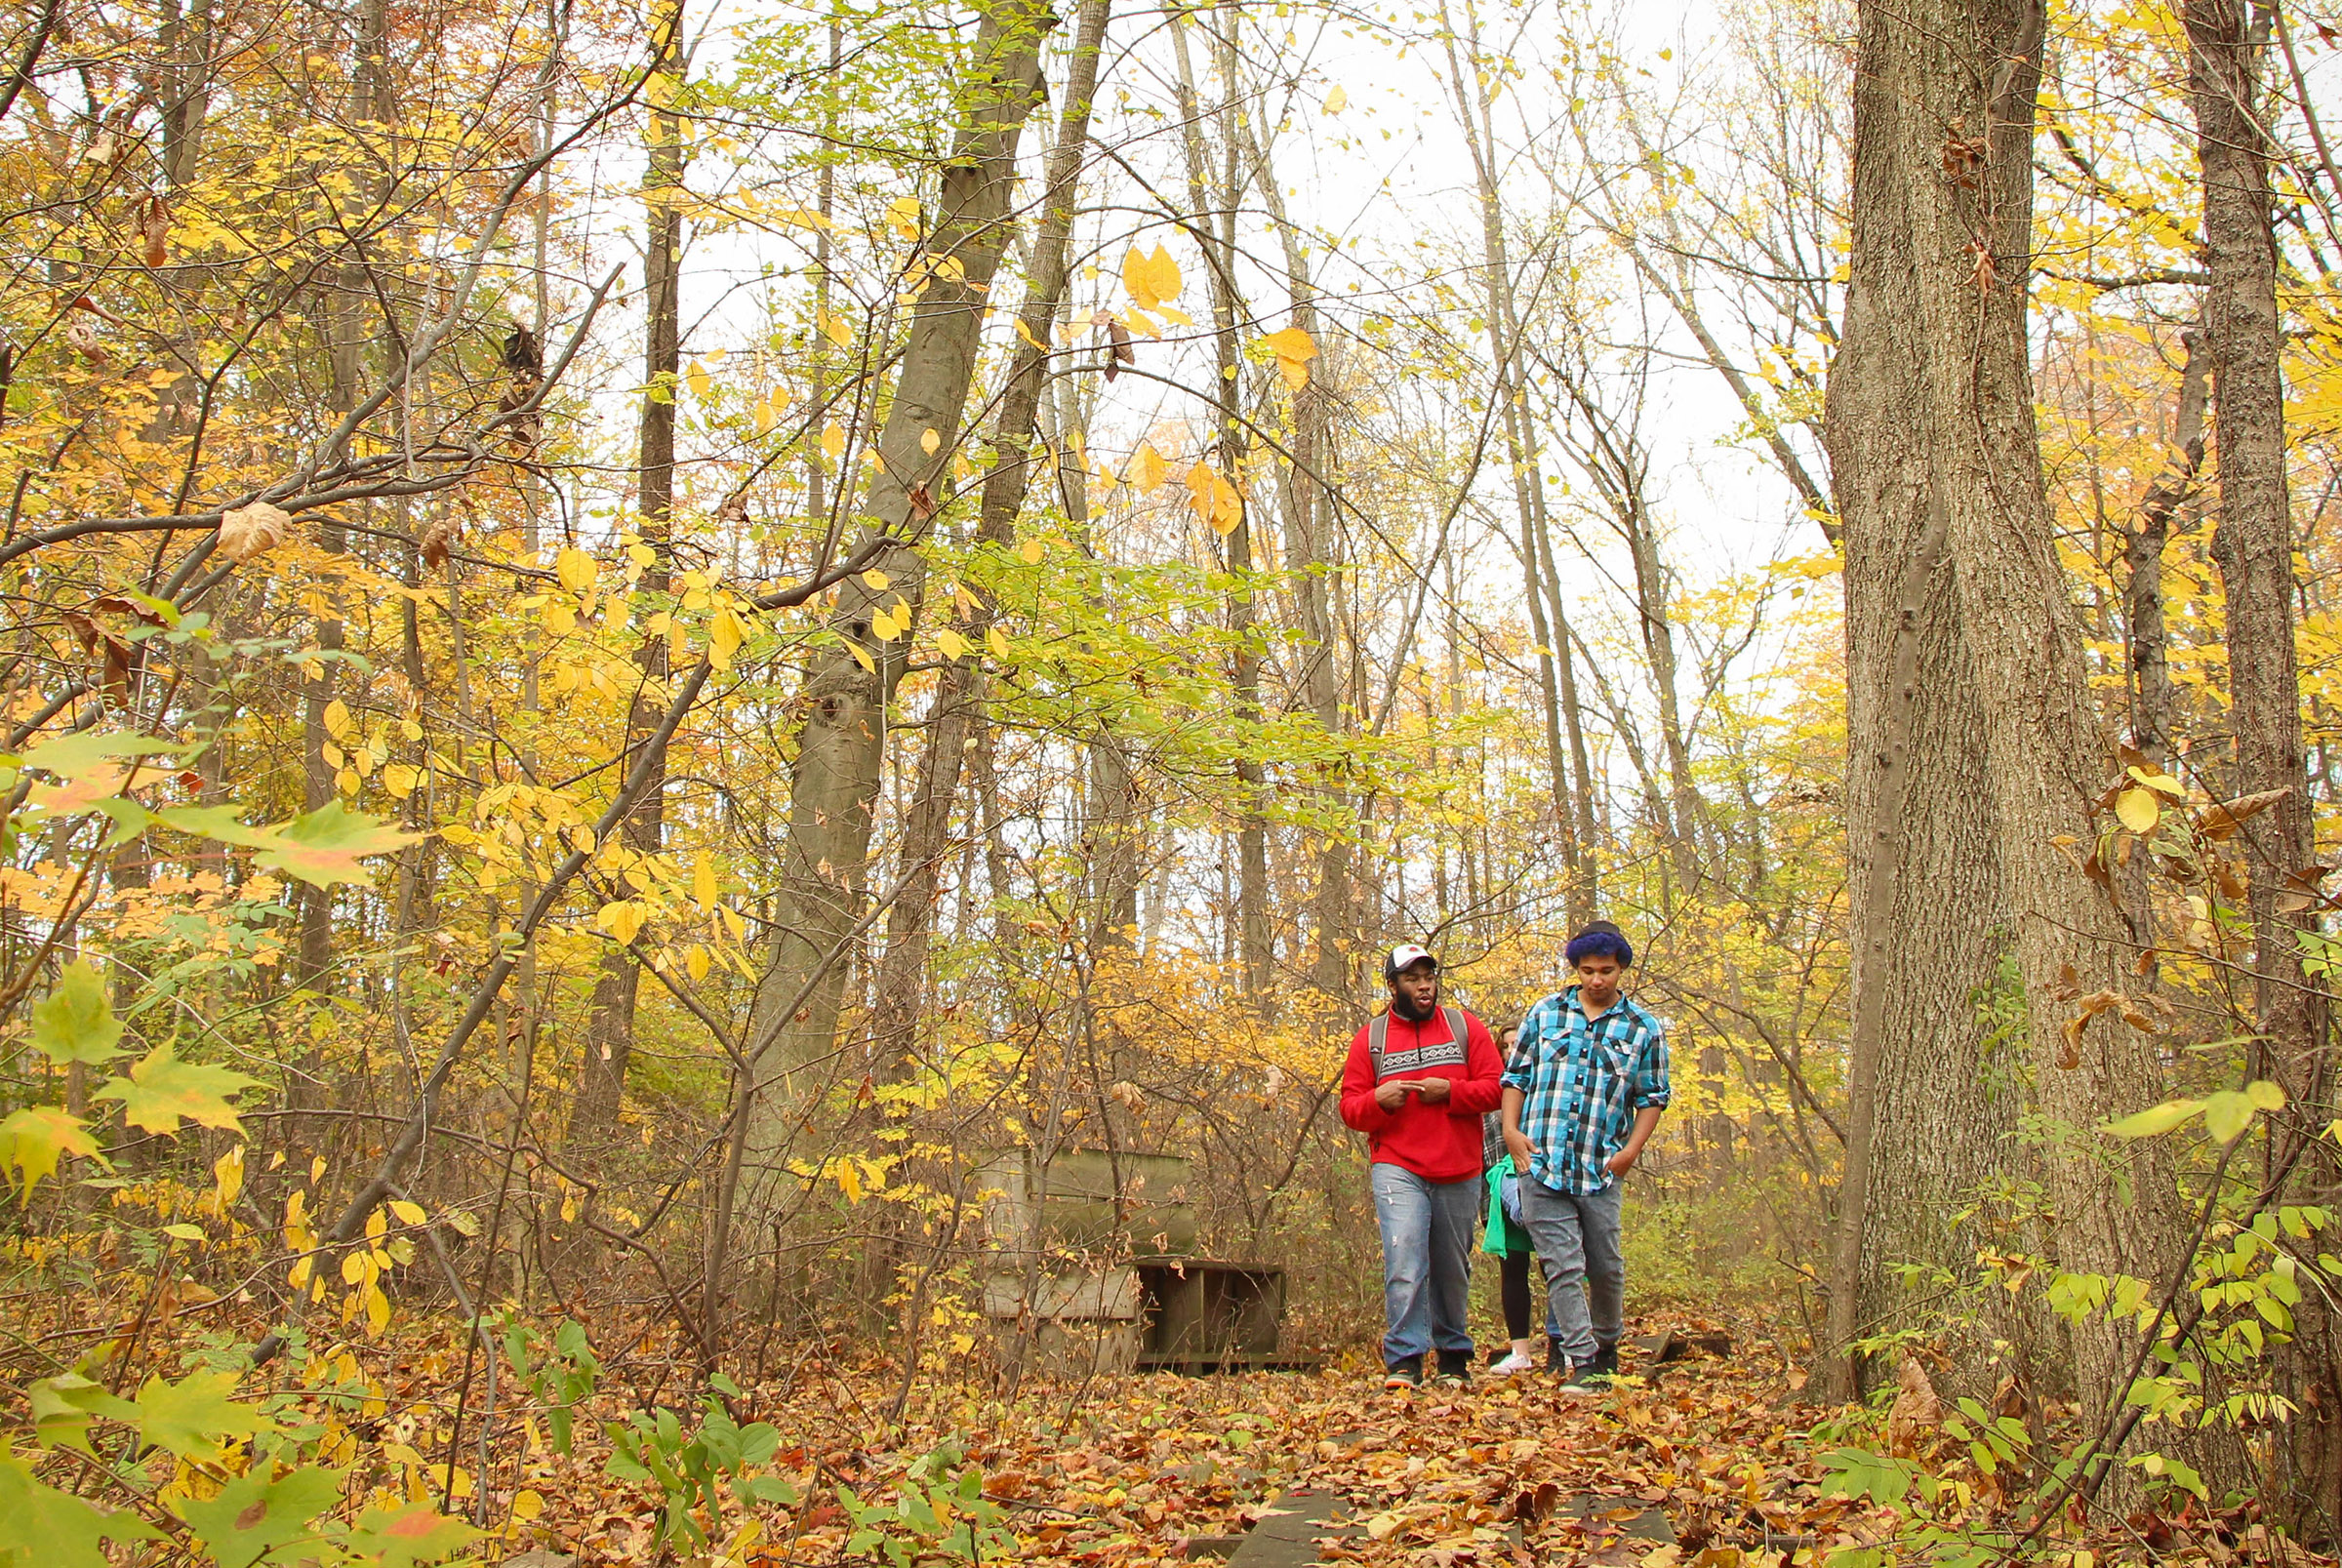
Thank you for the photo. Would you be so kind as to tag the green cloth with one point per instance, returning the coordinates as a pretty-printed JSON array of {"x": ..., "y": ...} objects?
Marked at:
[{"x": 1504, "y": 1236}]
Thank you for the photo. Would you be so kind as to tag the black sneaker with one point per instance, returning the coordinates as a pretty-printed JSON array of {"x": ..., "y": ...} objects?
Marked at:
[
  {"x": 1406, "y": 1373},
  {"x": 1584, "y": 1382},
  {"x": 1555, "y": 1360},
  {"x": 1604, "y": 1364},
  {"x": 1455, "y": 1366}
]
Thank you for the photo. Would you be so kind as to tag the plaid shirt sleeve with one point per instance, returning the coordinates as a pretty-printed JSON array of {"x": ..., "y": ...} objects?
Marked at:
[{"x": 1652, "y": 1086}]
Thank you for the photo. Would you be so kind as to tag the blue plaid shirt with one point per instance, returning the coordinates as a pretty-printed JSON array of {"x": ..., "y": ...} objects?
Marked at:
[{"x": 1583, "y": 1081}]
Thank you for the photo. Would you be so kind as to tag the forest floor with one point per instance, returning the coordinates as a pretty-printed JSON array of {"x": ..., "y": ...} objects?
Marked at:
[{"x": 1131, "y": 1470}]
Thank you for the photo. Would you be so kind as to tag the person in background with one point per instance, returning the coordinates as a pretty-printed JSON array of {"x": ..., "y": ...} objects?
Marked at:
[
  {"x": 1417, "y": 1082},
  {"x": 1582, "y": 1097},
  {"x": 1503, "y": 1235}
]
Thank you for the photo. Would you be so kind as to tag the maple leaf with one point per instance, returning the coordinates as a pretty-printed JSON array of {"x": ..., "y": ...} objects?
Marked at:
[
  {"x": 161, "y": 1089},
  {"x": 75, "y": 1022},
  {"x": 41, "y": 1527},
  {"x": 34, "y": 1140},
  {"x": 190, "y": 1416},
  {"x": 402, "y": 1537},
  {"x": 253, "y": 1515},
  {"x": 323, "y": 847}
]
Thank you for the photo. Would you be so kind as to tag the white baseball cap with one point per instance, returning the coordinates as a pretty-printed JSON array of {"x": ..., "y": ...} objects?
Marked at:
[{"x": 1405, "y": 956}]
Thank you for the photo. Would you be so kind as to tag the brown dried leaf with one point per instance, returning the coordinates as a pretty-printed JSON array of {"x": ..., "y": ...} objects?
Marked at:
[
  {"x": 255, "y": 530},
  {"x": 2218, "y": 822},
  {"x": 435, "y": 543},
  {"x": 154, "y": 227}
]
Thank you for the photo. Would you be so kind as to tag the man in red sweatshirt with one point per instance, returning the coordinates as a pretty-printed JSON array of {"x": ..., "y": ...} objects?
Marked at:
[{"x": 1418, "y": 1081}]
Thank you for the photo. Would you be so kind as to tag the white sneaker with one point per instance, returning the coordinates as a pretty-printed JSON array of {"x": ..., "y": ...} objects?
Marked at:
[{"x": 1512, "y": 1366}]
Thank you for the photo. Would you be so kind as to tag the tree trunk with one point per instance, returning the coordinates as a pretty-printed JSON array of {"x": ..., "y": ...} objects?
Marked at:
[
  {"x": 618, "y": 980},
  {"x": 2253, "y": 545},
  {"x": 1930, "y": 1112},
  {"x": 1572, "y": 780},
  {"x": 960, "y": 692},
  {"x": 2154, "y": 706},
  {"x": 1941, "y": 253},
  {"x": 840, "y": 739}
]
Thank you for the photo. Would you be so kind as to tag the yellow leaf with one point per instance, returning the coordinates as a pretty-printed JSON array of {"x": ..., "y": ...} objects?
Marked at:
[
  {"x": 622, "y": 918},
  {"x": 876, "y": 581},
  {"x": 861, "y": 658},
  {"x": 576, "y": 569},
  {"x": 833, "y": 439},
  {"x": 1030, "y": 552},
  {"x": 903, "y": 215},
  {"x": 1294, "y": 350},
  {"x": 998, "y": 641},
  {"x": 1026, "y": 333},
  {"x": 696, "y": 961},
  {"x": 353, "y": 1267},
  {"x": 928, "y": 441},
  {"x": 337, "y": 718},
  {"x": 1337, "y": 101},
  {"x": 1151, "y": 279},
  {"x": 377, "y": 1311},
  {"x": 1147, "y": 470},
  {"x": 697, "y": 377},
  {"x": 724, "y": 633},
  {"x": 400, "y": 779},
  {"x": 526, "y": 1505},
  {"x": 702, "y": 881},
  {"x": 951, "y": 643},
  {"x": 849, "y": 1180},
  {"x": 1215, "y": 500},
  {"x": 2138, "y": 810},
  {"x": 834, "y": 328}
]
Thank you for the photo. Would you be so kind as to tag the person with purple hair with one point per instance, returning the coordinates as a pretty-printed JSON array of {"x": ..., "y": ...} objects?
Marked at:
[{"x": 1583, "y": 1094}]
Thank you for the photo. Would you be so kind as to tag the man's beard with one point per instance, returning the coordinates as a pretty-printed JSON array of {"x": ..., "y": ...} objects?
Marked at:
[{"x": 1406, "y": 1007}]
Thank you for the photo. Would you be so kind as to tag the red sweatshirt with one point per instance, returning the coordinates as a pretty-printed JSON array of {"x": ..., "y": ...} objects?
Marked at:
[{"x": 1437, "y": 1143}]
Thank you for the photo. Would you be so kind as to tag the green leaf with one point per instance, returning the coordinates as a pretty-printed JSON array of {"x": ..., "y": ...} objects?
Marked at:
[
  {"x": 2157, "y": 1119},
  {"x": 75, "y": 1022},
  {"x": 34, "y": 1140},
  {"x": 252, "y": 1515},
  {"x": 190, "y": 1416},
  {"x": 78, "y": 756},
  {"x": 400, "y": 1538},
  {"x": 41, "y": 1527},
  {"x": 2227, "y": 1114},
  {"x": 63, "y": 1406},
  {"x": 162, "y": 1089},
  {"x": 321, "y": 847}
]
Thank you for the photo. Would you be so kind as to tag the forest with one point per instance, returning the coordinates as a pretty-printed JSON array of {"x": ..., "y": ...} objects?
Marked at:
[{"x": 712, "y": 716}]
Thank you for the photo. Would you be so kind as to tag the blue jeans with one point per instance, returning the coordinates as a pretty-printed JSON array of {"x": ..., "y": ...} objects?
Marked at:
[
  {"x": 1427, "y": 1260},
  {"x": 1576, "y": 1237}
]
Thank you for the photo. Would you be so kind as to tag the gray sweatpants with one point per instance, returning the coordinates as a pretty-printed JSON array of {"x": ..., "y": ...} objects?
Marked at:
[{"x": 1576, "y": 1238}]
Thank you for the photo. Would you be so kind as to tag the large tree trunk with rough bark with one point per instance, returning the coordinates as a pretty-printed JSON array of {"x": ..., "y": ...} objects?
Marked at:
[
  {"x": 2253, "y": 545},
  {"x": 840, "y": 739},
  {"x": 1936, "y": 323}
]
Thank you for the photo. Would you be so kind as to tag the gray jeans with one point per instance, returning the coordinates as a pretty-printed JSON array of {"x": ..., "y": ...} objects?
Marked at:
[{"x": 1576, "y": 1238}]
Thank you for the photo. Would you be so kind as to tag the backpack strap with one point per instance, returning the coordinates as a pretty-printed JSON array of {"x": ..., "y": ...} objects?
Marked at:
[{"x": 1455, "y": 1029}]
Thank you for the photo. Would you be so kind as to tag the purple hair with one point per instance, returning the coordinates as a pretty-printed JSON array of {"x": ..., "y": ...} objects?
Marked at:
[{"x": 1601, "y": 940}]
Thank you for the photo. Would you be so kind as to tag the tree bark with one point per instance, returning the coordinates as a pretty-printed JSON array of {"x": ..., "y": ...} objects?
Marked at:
[
  {"x": 841, "y": 735},
  {"x": 1931, "y": 1109},
  {"x": 2154, "y": 706},
  {"x": 2253, "y": 545},
  {"x": 1943, "y": 215}
]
